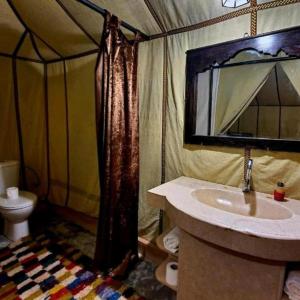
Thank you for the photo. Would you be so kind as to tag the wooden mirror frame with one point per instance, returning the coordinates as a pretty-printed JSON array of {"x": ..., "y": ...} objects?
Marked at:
[{"x": 202, "y": 59}]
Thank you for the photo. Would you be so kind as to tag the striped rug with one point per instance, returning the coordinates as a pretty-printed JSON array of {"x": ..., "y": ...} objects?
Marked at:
[{"x": 46, "y": 268}]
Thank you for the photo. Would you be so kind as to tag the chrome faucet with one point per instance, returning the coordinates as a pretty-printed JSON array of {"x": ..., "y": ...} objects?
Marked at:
[{"x": 247, "y": 177}]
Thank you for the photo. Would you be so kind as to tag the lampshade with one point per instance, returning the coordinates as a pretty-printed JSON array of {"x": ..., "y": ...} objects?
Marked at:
[{"x": 234, "y": 3}]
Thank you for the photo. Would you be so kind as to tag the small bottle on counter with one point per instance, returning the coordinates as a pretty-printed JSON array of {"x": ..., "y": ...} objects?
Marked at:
[{"x": 279, "y": 192}]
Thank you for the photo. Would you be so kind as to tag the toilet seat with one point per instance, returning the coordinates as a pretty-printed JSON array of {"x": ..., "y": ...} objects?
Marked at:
[{"x": 25, "y": 199}]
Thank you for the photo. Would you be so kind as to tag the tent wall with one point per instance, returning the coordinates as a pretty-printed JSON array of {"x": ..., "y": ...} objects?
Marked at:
[
  {"x": 84, "y": 182},
  {"x": 69, "y": 116},
  {"x": 31, "y": 101},
  {"x": 69, "y": 113},
  {"x": 57, "y": 110},
  {"x": 33, "y": 123},
  {"x": 72, "y": 135},
  {"x": 217, "y": 164},
  {"x": 150, "y": 76},
  {"x": 9, "y": 144}
]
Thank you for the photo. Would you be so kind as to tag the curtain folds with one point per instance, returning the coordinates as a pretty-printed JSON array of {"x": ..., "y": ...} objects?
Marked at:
[{"x": 118, "y": 151}]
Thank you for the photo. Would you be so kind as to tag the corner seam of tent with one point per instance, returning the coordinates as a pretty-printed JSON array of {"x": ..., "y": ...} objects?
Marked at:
[
  {"x": 155, "y": 16},
  {"x": 80, "y": 26},
  {"x": 18, "y": 16}
]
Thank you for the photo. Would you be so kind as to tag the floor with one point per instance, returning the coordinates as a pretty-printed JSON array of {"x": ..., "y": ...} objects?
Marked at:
[
  {"x": 142, "y": 278},
  {"x": 45, "y": 266}
]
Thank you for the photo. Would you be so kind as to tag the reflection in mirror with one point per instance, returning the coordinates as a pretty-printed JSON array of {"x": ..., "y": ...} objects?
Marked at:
[{"x": 252, "y": 95}]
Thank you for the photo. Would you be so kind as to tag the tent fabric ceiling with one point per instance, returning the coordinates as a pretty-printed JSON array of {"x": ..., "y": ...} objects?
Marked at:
[{"x": 64, "y": 28}]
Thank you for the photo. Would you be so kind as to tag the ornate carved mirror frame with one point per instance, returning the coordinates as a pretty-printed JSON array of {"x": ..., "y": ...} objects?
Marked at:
[{"x": 202, "y": 59}]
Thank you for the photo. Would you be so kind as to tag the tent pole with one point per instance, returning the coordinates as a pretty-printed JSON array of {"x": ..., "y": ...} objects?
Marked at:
[
  {"x": 20, "y": 43},
  {"x": 67, "y": 133},
  {"x": 70, "y": 15},
  {"x": 18, "y": 16},
  {"x": 17, "y": 108},
  {"x": 47, "y": 129},
  {"x": 21, "y": 58},
  {"x": 279, "y": 101},
  {"x": 38, "y": 53},
  {"x": 102, "y": 11},
  {"x": 19, "y": 126},
  {"x": 79, "y": 55}
]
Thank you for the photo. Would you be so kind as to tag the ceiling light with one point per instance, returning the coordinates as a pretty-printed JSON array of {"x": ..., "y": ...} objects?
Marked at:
[{"x": 234, "y": 3}]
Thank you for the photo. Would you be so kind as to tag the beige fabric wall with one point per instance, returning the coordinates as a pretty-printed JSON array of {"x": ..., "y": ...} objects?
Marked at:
[
  {"x": 150, "y": 70},
  {"x": 57, "y": 133},
  {"x": 72, "y": 124},
  {"x": 32, "y": 111},
  {"x": 9, "y": 145},
  {"x": 84, "y": 180},
  {"x": 217, "y": 164},
  {"x": 78, "y": 113},
  {"x": 205, "y": 163}
]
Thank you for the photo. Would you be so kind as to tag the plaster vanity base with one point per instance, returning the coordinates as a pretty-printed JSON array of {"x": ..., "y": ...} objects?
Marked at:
[
  {"x": 238, "y": 252},
  {"x": 210, "y": 272}
]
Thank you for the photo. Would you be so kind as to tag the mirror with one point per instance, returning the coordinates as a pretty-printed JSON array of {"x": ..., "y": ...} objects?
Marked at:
[{"x": 249, "y": 96}]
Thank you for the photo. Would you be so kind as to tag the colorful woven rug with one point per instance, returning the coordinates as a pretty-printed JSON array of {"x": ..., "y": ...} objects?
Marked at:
[{"x": 46, "y": 268}]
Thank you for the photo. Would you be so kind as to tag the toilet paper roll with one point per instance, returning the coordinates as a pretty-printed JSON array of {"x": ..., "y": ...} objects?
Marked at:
[
  {"x": 172, "y": 273},
  {"x": 12, "y": 193}
]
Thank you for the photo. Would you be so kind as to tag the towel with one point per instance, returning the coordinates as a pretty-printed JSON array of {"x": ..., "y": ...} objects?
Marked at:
[
  {"x": 171, "y": 240},
  {"x": 292, "y": 285}
]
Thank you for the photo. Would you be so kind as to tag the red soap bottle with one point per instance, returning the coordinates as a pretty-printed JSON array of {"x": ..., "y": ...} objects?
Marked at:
[{"x": 279, "y": 192}]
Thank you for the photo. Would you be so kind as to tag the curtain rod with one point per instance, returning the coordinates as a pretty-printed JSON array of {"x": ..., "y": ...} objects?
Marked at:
[{"x": 102, "y": 11}]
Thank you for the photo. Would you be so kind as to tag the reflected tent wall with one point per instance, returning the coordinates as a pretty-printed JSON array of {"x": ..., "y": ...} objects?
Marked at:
[{"x": 56, "y": 102}]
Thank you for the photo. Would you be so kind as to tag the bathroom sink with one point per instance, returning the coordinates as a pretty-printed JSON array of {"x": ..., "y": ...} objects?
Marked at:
[
  {"x": 246, "y": 204},
  {"x": 251, "y": 223}
]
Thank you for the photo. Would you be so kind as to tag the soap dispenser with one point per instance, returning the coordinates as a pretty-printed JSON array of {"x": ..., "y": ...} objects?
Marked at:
[{"x": 279, "y": 192}]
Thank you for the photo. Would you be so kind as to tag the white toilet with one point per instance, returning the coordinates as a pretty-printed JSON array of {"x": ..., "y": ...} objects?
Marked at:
[{"x": 14, "y": 211}]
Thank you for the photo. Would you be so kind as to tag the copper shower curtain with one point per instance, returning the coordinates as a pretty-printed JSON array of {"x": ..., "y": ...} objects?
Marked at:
[{"x": 118, "y": 148}]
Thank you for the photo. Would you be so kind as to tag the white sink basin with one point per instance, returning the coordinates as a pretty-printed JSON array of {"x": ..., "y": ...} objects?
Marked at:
[
  {"x": 247, "y": 237},
  {"x": 246, "y": 204},
  {"x": 250, "y": 223}
]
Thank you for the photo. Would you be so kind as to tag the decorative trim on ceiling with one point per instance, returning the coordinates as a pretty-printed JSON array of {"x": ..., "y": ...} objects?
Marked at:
[
  {"x": 164, "y": 111},
  {"x": 253, "y": 21},
  {"x": 155, "y": 16},
  {"x": 164, "y": 97},
  {"x": 235, "y": 14}
]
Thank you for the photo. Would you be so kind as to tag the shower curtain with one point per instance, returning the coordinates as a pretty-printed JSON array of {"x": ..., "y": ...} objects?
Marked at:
[{"x": 118, "y": 149}]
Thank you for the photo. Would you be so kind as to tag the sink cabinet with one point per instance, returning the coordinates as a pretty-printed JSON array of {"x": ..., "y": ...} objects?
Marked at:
[
  {"x": 217, "y": 262},
  {"x": 209, "y": 272}
]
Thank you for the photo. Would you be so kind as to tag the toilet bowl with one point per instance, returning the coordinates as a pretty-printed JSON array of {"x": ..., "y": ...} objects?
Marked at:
[{"x": 15, "y": 213}]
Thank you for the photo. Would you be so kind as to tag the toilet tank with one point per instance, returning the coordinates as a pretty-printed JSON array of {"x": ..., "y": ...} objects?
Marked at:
[{"x": 9, "y": 175}]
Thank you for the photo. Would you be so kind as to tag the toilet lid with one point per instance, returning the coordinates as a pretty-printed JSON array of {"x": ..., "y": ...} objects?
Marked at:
[{"x": 25, "y": 199}]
